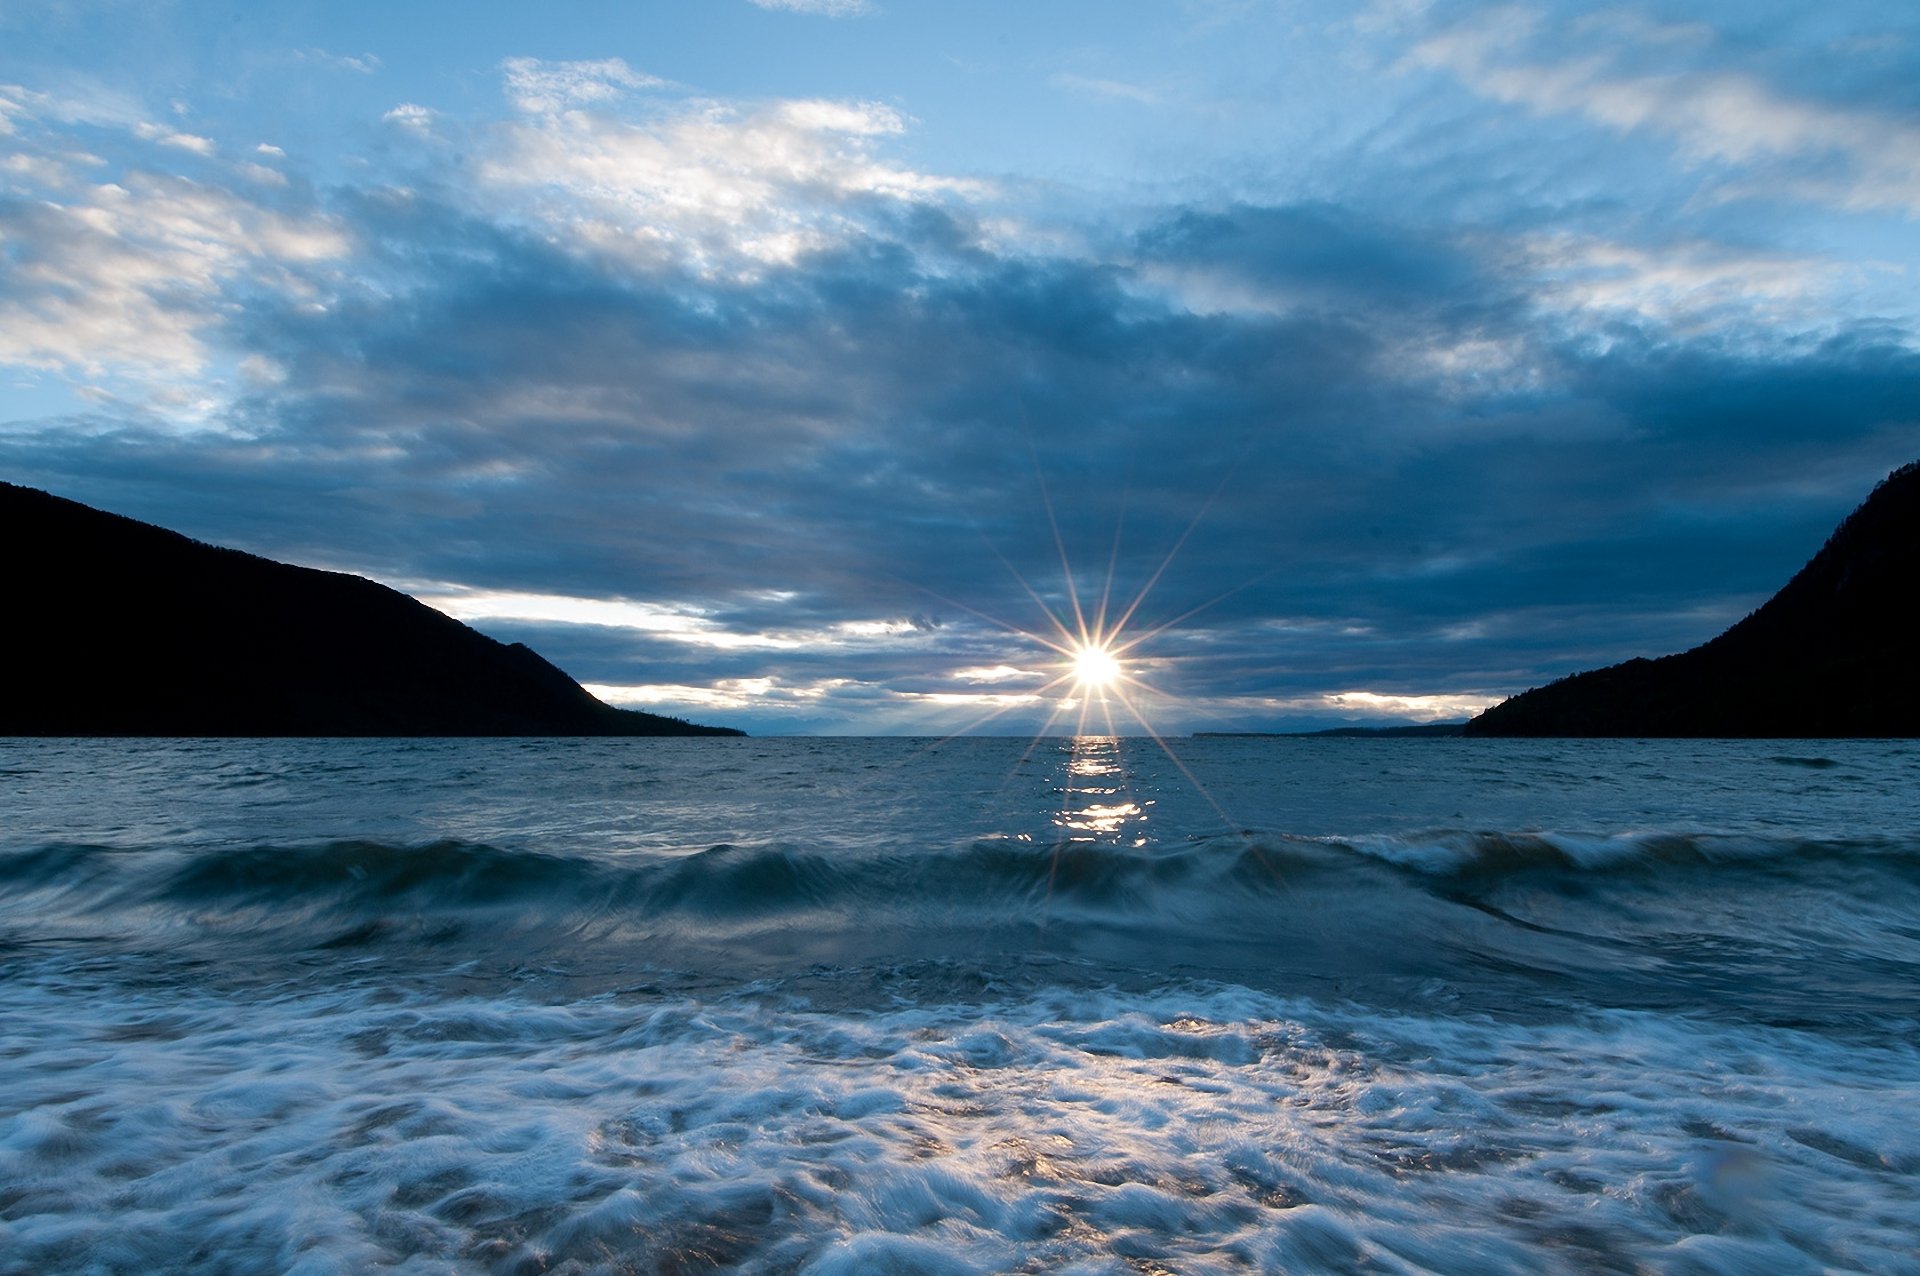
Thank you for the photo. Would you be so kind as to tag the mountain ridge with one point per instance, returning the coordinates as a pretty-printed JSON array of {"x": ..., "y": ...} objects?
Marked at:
[
  {"x": 1832, "y": 654},
  {"x": 124, "y": 628}
]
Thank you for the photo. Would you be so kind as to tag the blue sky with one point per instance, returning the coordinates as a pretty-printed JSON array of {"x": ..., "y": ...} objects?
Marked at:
[{"x": 764, "y": 363}]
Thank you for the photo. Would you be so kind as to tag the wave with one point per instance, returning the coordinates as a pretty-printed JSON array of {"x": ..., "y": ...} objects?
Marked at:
[
  {"x": 725, "y": 880},
  {"x": 1788, "y": 931},
  {"x": 1458, "y": 852},
  {"x": 998, "y": 876}
]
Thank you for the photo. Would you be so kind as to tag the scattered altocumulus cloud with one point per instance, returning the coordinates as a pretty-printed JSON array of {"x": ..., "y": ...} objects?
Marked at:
[
  {"x": 411, "y": 116},
  {"x": 138, "y": 275}
]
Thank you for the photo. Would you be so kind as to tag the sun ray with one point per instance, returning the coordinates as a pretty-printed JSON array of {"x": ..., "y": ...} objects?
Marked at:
[
  {"x": 1095, "y": 647},
  {"x": 1059, "y": 626},
  {"x": 1206, "y": 794},
  {"x": 1066, "y": 568},
  {"x": 1191, "y": 612},
  {"x": 1113, "y": 564},
  {"x": 1064, "y": 646},
  {"x": 1167, "y": 562}
]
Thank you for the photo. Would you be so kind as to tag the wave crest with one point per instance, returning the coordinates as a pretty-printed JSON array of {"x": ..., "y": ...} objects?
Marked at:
[{"x": 1225, "y": 881}]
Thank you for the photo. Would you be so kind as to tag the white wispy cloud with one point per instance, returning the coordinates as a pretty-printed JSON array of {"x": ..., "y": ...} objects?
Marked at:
[
  {"x": 724, "y": 186},
  {"x": 129, "y": 277},
  {"x": 723, "y": 693},
  {"x": 1097, "y": 86},
  {"x": 1688, "y": 285},
  {"x": 149, "y": 132},
  {"x": 534, "y": 85},
  {"x": 363, "y": 64},
  {"x": 1848, "y": 156},
  {"x": 1387, "y": 706},
  {"x": 972, "y": 699},
  {"x": 680, "y": 622},
  {"x": 820, "y": 8},
  {"x": 80, "y": 101},
  {"x": 995, "y": 673}
]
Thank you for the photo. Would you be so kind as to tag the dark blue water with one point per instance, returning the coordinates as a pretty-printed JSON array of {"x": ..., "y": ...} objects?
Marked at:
[{"x": 990, "y": 1005}]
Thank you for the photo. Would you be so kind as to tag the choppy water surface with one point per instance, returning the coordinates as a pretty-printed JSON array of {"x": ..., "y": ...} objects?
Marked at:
[{"x": 886, "y": 1006}]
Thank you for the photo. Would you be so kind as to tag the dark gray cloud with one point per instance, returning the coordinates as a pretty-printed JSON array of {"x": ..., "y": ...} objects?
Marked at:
[
  {"x": 866, "y": 434},
  {"x": 1445, "y": 439}
]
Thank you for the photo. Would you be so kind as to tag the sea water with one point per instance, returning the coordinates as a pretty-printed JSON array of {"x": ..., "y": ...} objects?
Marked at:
[{"x": 982, "y": 1005}]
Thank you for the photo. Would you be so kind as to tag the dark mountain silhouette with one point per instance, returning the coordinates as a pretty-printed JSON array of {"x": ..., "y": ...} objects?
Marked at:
[
  {"x": 1834, "y": 653},
  {"x": 121, "y": 628}
]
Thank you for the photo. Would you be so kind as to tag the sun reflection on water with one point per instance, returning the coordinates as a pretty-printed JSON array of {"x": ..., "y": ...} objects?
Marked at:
[
  {"x": 1099, "y": 686},
  {"x": 1095, "y": 804}
]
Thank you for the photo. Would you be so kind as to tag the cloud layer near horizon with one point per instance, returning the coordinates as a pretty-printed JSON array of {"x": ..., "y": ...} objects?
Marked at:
[{"x": 739, "y": 408}]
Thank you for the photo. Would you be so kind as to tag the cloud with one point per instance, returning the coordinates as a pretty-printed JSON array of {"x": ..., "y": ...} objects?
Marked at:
[
  {"x": 1850, "y": 156},
  {"x": 82, "y": 102},
  {"x": 820, "y": 8},
  {"x": 725, "y": 187},
  {"x": 1305, "y": 258},
  {"x": 1392, "y": 708},
  {"x": 863, "y": 434},
  {"x": 997, "y": 673},
  {"x": 364, "y": 64},
  {"x": 1097, "y": 86},
  {"x": 411, "y": 116},
  {"x": 168, "y": 137},
  {"x": 545, "y": 87},
  {"x": 683, "y": 622},
  {"x": 731, "y": 405},
  {"x": 129, "y": 276},
  {"x": 1688, "y": 285}
]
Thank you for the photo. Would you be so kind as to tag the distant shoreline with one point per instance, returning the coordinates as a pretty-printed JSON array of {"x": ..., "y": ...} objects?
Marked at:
[{"x": 1431, "y": 730}]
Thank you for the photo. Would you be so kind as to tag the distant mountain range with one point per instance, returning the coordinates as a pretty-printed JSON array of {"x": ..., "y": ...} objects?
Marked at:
[
  {"x": 120, "y": 628},
  {"x": 1834, "y": 653}
]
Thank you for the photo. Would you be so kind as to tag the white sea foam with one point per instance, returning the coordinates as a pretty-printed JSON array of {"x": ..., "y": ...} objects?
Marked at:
[
  {"x": 1209, "y": 1128},
  {"x": 874, "y": 1006}
]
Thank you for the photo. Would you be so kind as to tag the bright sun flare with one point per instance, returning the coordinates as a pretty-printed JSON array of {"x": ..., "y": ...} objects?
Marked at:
[{"x": 1094, "y": 667}]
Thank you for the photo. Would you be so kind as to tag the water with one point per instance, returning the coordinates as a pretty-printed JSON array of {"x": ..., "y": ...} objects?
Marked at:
[{"x": 863, "y": 1006}]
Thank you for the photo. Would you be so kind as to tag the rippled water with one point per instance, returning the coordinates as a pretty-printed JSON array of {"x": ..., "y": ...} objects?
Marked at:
[{"x": 989, "y": 1005}]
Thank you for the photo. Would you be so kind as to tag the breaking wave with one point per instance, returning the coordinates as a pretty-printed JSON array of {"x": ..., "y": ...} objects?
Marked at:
[
  {"x": 1643, "y": 919},
  {"x": 995, "y": 875}
]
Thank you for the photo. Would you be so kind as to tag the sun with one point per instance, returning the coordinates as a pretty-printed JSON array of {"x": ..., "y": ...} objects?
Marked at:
[
  {"x": 1093, "y": 637},
  {"x": 1095, "y": 667}
]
